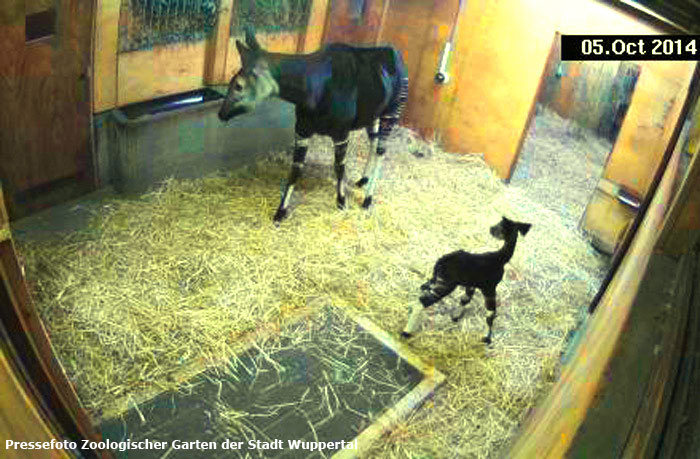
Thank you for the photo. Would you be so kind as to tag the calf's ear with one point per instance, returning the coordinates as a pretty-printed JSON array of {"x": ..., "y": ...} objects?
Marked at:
[{"x": 524, "y": 228}]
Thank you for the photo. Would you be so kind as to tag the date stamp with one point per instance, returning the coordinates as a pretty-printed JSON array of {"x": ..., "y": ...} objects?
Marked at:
[{"x": 630, "y": 47}]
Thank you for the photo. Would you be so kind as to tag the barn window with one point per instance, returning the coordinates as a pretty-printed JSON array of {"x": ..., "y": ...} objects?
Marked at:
[
  {"x": 270, "y": 15},
  {"x": 148, "y": 23},
  {"x": 40, "y": 25}
]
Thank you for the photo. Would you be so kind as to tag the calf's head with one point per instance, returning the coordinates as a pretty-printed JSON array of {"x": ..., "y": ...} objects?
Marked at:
[
  {"x": 253, "y": 83},
  {"x": 507, "y": 228}
]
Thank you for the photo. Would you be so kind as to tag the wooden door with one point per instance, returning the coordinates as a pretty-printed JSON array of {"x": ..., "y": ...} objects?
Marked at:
[{"x": 45, "y": 140}]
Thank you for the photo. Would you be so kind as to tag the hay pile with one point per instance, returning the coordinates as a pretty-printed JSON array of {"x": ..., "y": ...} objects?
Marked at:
[{"x": 180, "y": 275}]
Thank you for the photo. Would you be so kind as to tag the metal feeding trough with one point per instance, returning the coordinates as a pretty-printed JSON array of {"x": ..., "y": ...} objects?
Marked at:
[
  {"x": 181, "y": 136},
  {"x": 327, "y": 385}
]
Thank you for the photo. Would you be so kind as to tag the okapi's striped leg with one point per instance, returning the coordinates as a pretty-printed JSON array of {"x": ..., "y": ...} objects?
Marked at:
[
  {"x": 386, "y": 124},
  {"x": 341, "y": 148},
  {"x": 301, "y": 145},
  {"x": 373, "y": 134}
]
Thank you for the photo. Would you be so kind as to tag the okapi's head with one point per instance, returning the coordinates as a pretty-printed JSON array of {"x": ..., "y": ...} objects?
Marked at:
[{"x": 253, "y": 82}]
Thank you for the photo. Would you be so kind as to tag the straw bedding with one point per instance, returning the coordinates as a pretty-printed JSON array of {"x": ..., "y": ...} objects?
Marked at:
[
  {"x": 560, "y": 164},
  {"x": 180, "y": 275}
]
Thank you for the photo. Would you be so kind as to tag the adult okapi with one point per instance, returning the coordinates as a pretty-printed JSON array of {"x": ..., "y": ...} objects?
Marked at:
[{"x": 335, "y": 90}]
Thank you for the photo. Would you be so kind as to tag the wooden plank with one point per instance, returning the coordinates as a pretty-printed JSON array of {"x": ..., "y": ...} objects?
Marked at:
[
  {"x": 105, "y": 55},
  {"x": 20, "y": 420},
  {"x": 612, "y": 415},
  {"x": 694, "y": 134},
  {"x": 606, "y": 218},
  {"x": 551, "y": 428},
  {"x": 4, "y": 218},
  {"x": 651, "y": 418},
  {"x": 647, "y": 127},
  {"x": 680, "y": 438},
  {"x": 11, "y": 61},
  {"x": 315, "y": 29},
  {"x": 217, "y": 49},
  {"x": 682, "y": 226},
  {"x": 164, "y": 70}
]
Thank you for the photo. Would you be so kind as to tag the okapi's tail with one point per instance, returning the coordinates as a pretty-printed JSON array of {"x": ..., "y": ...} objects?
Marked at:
[{"x": 402, "y": 97}]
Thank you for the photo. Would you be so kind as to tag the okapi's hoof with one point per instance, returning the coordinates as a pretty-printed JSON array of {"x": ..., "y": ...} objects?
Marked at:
[
  {"x": 367, "y": 202},
  {"x": 280, "y": 215},
  {"x": 362, "y": 182},
  {"x": 340, "y": 202},
  {"x": 486, "y": 340},
  {"x": 406, "y": 335}
]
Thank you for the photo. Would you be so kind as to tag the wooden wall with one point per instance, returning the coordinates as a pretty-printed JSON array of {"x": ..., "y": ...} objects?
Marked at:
[
  {"x": 683, "y": 225},
  {"x": 124, "y": 78}
]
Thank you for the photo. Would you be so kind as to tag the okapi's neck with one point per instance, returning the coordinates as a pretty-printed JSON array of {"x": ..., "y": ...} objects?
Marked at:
[
  {"x": 289, "y": 71},
  {"x": 506, "y": 252}
]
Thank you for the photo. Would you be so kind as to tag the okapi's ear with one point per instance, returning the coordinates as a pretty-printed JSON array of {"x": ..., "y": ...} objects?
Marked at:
[
  {"x": 243, "y": 51},
  {"x": 250, "y": 39}
]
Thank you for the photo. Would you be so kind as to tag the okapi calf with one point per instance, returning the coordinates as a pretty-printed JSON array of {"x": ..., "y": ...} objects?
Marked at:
[
  {"x": 335, "y": 90},
  {"x": 471, "y": 271}
]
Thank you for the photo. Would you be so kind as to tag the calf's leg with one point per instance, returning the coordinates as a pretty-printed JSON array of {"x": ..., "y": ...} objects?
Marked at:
[
  {"x": 437, "y": 290},
  {"x": 467, "y": 297},
  {"x": 490, "y": 306},
  {"x": 463, "y": 301}
]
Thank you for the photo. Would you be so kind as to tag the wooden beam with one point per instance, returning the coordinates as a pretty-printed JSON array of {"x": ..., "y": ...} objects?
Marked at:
[
  {"x": 682, "y": 222},
  {"x": 382, "y": 20},
  {"x": 315, "y": 29},
  {"x": 105, "y": 55},
  {"x": 666, "y": 355},
  {"x": 217, "y": 47}
]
